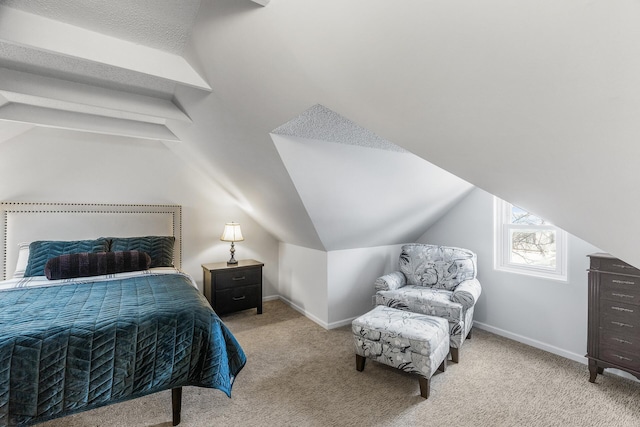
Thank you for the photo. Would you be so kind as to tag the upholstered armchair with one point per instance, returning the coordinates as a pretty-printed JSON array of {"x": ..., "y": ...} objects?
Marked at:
[{"x": 438, "y": 281}]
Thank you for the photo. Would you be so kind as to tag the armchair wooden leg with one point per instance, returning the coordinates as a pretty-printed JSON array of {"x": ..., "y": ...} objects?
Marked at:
[
  {"x": 425, "y": 385},
  {"x": 454, "y": 354},
  {"x": 360, "y": 362},
  {"x": 469, "y": 334}
]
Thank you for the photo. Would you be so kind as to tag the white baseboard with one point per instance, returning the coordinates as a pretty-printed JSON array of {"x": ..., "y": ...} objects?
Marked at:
[
  {"x": 271, "y": 298},
  {"x": 533, "y": 343},
  {"x": 546, "y": 347},
  {"x": 341, "y": 323},
  {"x": 310, "y": 316},
  {"x": 304, "y": 312}
]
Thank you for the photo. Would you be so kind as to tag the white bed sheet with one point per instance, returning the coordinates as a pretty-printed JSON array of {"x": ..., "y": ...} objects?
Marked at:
[{"x": 36, "y": 281}]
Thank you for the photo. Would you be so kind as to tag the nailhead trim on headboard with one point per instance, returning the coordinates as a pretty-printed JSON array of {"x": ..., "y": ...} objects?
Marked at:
[{"x": 35, "y": 207}]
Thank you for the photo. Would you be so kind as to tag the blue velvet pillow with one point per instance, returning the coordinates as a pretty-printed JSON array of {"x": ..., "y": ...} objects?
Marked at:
[
  {"x": 159, "y": 248},
  {"x": 40, "y": 251}
]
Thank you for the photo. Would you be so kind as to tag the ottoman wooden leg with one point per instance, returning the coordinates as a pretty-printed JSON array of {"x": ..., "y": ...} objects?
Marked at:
[
  {"x": 443, "y": 366},
  {"x": 424, "y": 387},
  {"x": 454, "y": 354},
  {"x": 360, "y": 362}
]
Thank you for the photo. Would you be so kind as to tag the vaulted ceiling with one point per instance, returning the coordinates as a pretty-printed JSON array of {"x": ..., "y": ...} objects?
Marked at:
[
  {"x": 103, "y": 67},
  {"x": 536, "y": 102}
]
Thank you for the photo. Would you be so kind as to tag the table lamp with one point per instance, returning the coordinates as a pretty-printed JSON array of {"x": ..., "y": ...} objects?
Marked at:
[{"x": 232, "y": 233}]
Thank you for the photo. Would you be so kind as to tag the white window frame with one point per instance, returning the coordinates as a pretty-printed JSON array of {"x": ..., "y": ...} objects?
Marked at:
[{"x": 502, "y": 232}]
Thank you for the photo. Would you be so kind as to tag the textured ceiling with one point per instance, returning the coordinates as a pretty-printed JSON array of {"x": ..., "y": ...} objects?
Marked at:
[
  {"x": 75, "y": 69},
  {"x": 127, "y": 47},
  {"x": 321, "y": 123},
  {"x": 163, "y": 25}
]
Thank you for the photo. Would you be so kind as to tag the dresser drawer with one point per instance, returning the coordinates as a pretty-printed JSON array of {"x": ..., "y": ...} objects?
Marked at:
[
  {"x": 622, "y": 358},
  {"x": 615, "y": 315},
  {"x": 234, "y": 278},
  {"x": 623, "y": 340},
  {"x": 624, "y": 289},
  {"x": 613, "y": 265},
  {"x": 237, "y": 298}
]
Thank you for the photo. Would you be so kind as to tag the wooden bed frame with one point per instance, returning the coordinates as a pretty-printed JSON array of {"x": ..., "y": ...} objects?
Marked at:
[{"x": 30, "y": 221}]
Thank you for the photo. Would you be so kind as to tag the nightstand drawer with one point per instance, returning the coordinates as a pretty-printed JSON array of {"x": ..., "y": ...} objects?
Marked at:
[
  {"x": 239, "y": 277},
  {"x": 237, "y": 298}
]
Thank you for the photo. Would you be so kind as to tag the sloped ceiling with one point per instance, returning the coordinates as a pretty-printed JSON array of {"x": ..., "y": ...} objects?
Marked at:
[
  {"x": 131, "y": 51},
  {"x": 359, "y": 189},
  {"x": 536, "y": 102}
]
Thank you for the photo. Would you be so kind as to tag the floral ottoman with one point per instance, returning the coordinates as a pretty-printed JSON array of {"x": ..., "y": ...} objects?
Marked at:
[{"x": 412, "y": 342}]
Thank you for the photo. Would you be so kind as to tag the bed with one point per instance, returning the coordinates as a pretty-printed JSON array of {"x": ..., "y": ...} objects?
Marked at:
[{"x": 72, "y": 339}]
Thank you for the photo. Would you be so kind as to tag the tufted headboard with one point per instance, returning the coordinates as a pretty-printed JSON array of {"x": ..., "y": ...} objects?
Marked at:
[{"x": 27, "y": 222}]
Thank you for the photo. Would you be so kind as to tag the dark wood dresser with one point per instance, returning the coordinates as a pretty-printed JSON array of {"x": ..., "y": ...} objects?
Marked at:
[
  {"x": 613, "y": 339},
  {"x": 231, "y": 288}
]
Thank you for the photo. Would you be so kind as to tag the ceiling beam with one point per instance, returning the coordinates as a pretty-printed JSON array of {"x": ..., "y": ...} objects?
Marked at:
[
  {"x": 27, "y": 88},
  {"x": 47, "y": 35},
  {"x": 60, "y": 119}
]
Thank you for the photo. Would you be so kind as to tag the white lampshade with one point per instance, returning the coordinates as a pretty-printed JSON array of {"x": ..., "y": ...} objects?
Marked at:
[{"x": 232, "y": 233}]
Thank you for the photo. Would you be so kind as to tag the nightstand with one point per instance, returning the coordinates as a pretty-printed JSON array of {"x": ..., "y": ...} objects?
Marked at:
[{"x": 231, "y": 288}]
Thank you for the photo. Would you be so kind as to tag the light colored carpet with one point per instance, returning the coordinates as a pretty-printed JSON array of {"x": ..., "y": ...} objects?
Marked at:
[{"x": 299, "y": 374}]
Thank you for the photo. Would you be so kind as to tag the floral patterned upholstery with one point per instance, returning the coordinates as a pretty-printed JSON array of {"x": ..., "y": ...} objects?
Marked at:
[
  {"x": 419, "y": 299},
  {"x": 408, "y": 341},
  {"x": 434, "y": 280}
]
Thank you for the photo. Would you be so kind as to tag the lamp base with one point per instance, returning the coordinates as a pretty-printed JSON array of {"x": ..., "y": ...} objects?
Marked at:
[{"x": 232, "y": 261}]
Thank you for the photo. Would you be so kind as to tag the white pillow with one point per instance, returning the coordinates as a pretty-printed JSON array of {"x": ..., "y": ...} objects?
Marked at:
[{"x": 23, "y": 260}]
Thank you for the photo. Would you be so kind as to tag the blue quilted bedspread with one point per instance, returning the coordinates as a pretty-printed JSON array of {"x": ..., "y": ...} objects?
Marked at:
[{"x": 69, "y": 348}]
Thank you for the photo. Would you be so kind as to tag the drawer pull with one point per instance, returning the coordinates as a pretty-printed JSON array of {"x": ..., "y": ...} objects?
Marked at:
[
  {"x": 620, "y": 340},
  {"x": 625, "y": 325},
  {"x": 620, "y": 266},
  {"x": 622, "y": 357},
  {"x": 238, "y": 278},
  {"x": 615, "y": 294},
  {"x": 623, "y": 282},
  {"x": 626, "y": 310},
  {"x": 238, "y": 298}
]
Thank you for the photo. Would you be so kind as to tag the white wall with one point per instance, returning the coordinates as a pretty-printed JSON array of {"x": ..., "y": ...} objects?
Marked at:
[
  {"x": 303, "y": 281},
  {"x": 351, "y": 274},
  {"x": 371, "y": 202},
  {"x": 544, "y": 313},
  {"x": 47, "y": 165},
  {"x": 332, "y": 288}
]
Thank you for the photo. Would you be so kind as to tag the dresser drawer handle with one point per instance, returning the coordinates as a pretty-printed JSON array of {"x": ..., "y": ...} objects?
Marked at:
[
  {"x": 620, "y": 266},
  {"x": 621, "y": 340},
  {"x": 626, "y": 310},
  {"x": 622, "y": 357},
  {"x": 238, "y": 298},
  {"x": 626, "y": 325},
  {"x": 238, "y": 278},
  {"x": 623, "y": 282},
  {"x": 615, "y": 294}
]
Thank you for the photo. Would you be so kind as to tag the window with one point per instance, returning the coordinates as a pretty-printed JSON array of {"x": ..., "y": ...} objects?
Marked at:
[{"x": 527, "y": 244}]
